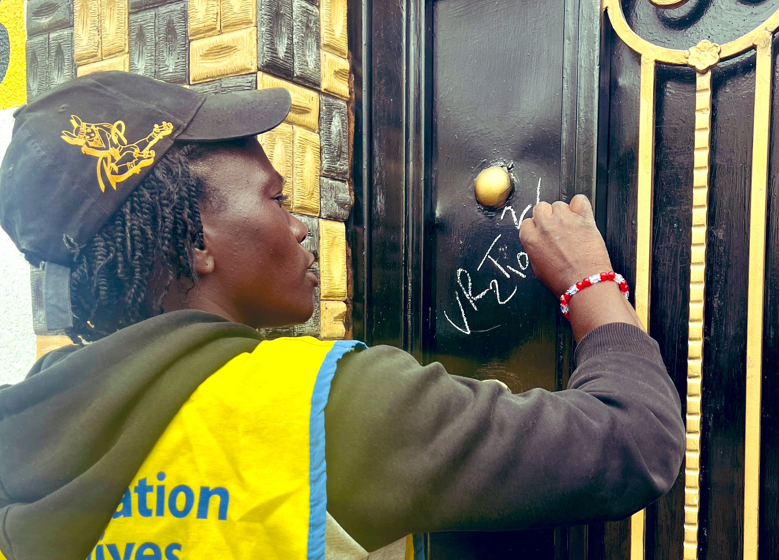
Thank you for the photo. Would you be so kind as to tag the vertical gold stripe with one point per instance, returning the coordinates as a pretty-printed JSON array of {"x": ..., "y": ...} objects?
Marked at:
[
  {"x": 646, "y": 155},
  {"x": 757, "y": 231},
  {"x": 700, "y": 208}
]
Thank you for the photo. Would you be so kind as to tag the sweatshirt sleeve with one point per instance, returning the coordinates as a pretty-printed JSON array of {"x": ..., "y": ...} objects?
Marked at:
[{"x": 412, "y": 449}]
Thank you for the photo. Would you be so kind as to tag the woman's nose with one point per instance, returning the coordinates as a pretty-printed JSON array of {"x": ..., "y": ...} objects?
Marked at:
[{"x": 299, "y": 229}]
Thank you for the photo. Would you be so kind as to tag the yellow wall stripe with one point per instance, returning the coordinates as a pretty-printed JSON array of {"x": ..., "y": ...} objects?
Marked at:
[{"x": 13, "y": 87}]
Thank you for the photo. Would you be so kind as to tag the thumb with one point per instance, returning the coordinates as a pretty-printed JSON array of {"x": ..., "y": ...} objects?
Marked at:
[{"x": 580, "y": 204}]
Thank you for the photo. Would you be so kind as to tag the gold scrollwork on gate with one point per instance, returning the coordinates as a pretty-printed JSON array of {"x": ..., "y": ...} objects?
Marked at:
[
  {"x": 703, "y": 57},
  {"x": 668, "y": 4}
]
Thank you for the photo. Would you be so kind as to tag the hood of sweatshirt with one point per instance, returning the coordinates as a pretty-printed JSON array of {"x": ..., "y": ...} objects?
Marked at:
[{"x": 77, "y": 429}]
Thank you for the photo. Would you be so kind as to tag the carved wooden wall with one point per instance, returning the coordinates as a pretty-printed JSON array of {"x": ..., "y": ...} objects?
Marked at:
[{"x": 218, "y": 46}]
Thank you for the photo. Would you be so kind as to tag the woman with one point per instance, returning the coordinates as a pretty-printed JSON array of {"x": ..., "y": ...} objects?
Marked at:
[{"x": 169, "y": 431}]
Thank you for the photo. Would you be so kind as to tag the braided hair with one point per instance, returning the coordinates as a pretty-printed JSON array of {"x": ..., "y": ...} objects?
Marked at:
[{"x": 123, "y": 274}]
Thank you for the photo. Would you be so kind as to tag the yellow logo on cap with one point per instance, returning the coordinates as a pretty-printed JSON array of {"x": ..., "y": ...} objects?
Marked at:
[{"x": 116, "y": 159}]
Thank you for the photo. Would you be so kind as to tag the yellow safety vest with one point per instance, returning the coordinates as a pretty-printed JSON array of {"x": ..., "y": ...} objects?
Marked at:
[{"x": 240, "y": 471}]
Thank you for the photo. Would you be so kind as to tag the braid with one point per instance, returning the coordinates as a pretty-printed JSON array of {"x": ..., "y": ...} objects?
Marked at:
[{"x": 123, "y": 274}]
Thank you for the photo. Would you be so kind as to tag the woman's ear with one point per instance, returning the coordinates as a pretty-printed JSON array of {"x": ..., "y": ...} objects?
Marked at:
[{"x": 204, "y": 260}]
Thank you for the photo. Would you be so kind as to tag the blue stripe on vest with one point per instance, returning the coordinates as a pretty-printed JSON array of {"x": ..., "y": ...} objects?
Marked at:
[
  {"x": 419, "y": 547},
  {"x": 317, "y": 471}
]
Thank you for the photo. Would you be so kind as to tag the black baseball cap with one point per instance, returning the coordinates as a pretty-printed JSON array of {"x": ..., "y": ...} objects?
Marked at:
[{"x": 79, "y": 150}]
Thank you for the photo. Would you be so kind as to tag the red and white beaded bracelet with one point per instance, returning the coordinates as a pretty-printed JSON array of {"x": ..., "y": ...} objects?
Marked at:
[{"x": 589, "y": 281}]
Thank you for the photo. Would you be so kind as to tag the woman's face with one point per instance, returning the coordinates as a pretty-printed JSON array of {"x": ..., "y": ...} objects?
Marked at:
[{"x": 258, "y": 272}]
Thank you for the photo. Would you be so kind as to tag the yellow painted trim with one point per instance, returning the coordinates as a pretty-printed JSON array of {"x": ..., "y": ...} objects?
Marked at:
[
  {"x": 114, "y": 28},
  {"x": 646, "y": 160},
  {"x": 223, "y": 56},
  {"x": 637, "y": 535},
  {"x": 46, "y": 344},
  {"x": 646, "y": 173},
  {"x": 757, "y": 232},
  {"x": 121, "y": 63},
  {"x": 87, "y": 41},
  {"x": 13, "y": 88},
  {"x": 305, "y": 102},
  {"x": 333, "y": 319},
  {"x": 700, "y": 208}
]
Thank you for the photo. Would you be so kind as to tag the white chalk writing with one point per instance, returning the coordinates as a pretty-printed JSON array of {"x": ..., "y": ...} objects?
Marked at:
[{"x": 499, "y": 265}]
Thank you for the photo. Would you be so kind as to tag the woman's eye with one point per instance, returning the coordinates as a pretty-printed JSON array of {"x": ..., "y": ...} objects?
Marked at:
[{"x": 282, "y": 198}]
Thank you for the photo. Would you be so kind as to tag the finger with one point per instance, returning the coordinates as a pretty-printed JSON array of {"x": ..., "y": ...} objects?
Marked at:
[
  {"x": 527, "y": 227},
  {"x": 559, "y": 207},
  {"x": 580, "y": 204},
  {"x": 541, "y": 210}
]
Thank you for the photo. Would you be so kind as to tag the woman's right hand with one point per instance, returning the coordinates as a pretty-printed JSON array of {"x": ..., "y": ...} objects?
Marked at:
[{"x": 565, "y": 246}]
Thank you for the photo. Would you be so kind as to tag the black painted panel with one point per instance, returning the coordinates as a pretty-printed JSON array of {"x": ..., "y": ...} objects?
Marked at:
[
  {"x": 724, "y": 357},
  {"x": 226, "y": 85},
  {"x": 37, "y": 65},
  {"x": 142, "y": 42},
  {"x": 386, "y": 234},
  {"x": 213, "y": 88},
  {"x": 305, "y": 43},
  {"x": 516, "y": 121},
  {"x": 769, "y": 468},
  {"x": 48, "y": 15},
  {"x": 495, "y": 102},
  {"x": 172, "y": 53},
  {"x": 334, "y": 134},
  {"x": 358, "y": 256},
  {"x": 336, "y": 202},
  {"x": 239, "y": 83},
  {"x": 533, "y": 545},
  {"x": 136, "y": 5},
  {"x": 274, "y": 37},
  {"x": 621, "y": 191},
  {"x": 671, "y": 249},
  {"x": 719, "y": 21},
  {"x": 61, "y": 65}
]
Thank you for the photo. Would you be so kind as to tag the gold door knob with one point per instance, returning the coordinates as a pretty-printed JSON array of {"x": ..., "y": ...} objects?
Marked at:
[{"x": 493, "y": 186}]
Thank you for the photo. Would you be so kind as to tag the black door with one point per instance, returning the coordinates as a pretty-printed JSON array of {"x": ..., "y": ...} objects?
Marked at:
[
  {"x": 452, "y": 88},
  {"x": 553, "y": 93}
]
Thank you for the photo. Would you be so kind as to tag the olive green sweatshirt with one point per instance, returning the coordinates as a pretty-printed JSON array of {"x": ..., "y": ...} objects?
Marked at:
[{"x": 409, "y": 448}]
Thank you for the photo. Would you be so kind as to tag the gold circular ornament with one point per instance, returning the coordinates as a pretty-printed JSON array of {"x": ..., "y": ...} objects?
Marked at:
[{"x": 493, "y": 187}]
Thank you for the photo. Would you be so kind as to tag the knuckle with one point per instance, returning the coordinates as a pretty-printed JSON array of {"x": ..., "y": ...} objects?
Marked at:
[{"x": 542, "y": 206}]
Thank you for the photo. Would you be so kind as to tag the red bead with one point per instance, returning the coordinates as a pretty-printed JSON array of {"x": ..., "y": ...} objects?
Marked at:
[
  {"x": 567, "y": 297},
  {"x": 586, "y": 282},
  {"x": 579, "y": 286},
  {"x": 604, "y": 276},
  {"x": 610, "y": 276}
]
